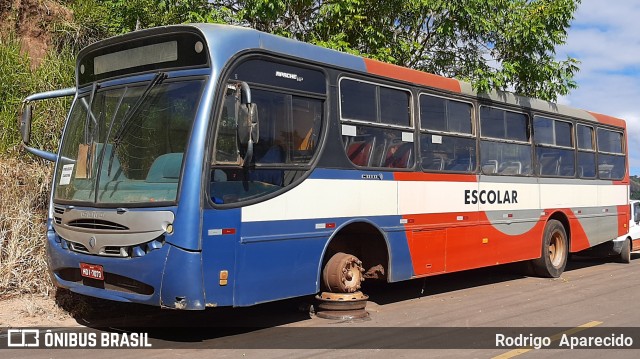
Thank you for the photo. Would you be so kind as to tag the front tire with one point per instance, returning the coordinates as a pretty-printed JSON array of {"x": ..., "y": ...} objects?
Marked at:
[
  {"x": 555, "y": 250},
  {"x": 625, "y": 252}
]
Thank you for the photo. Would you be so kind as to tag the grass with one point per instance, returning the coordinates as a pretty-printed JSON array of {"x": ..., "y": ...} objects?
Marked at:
[
  {"x": 25, "y": 180},
  {"x": 25, "y": 192}
]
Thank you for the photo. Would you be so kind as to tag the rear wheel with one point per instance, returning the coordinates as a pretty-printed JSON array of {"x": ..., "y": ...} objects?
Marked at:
[
  {"x": 625, "y": 252},
  {"x": 555, "y": 250},
  {"x": 343, "y": 273}
]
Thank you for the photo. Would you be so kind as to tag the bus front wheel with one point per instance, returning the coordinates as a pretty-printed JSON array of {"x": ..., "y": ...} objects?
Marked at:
[
  {"x": 343, "y": 273},
  {"x": 555, "y": 250}
]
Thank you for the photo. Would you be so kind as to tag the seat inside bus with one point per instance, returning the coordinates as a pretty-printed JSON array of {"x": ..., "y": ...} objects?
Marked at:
[
  {"x": 360, "y": 150},
  {"x": 398, "y": 155},
  {"x": 165, "y": 168}
]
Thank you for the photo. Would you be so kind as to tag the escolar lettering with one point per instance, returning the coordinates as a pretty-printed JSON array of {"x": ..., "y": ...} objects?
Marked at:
[{"x": 491, "y": 197}]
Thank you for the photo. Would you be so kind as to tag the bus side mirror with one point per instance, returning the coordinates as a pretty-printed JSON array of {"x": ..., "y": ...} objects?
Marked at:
[
  {"x": 25, "y": 123},
  {"x": 247, "y": 120}
]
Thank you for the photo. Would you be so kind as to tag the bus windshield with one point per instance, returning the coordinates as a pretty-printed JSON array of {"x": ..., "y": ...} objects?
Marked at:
[{"x": 125, "y": 144}]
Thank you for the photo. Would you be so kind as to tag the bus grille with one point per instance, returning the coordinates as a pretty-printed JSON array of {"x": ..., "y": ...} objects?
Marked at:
[
  {"x": 111, "y": 281},
  {"x": 119, "y": 251},
  {"x": 90, "y": 223},
  {"x": 57, "y": 212},
  {"x": 77, "y": 247}
]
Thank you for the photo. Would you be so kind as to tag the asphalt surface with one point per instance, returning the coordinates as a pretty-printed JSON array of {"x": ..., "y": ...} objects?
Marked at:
[{"x": 446, "y": 316}]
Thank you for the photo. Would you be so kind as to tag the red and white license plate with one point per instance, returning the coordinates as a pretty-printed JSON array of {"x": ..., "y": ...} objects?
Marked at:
[{"x": 92, "y": 271}]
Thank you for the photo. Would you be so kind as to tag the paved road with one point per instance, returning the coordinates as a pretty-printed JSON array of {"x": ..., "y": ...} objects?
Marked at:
[{"x": 596, "y": 293}]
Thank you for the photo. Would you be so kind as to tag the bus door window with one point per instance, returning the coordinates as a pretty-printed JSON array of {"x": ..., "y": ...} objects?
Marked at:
[{"x": 289, "y": 132}]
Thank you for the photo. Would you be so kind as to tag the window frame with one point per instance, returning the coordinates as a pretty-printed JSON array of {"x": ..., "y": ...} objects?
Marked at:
[
  {"x": 623, "y": 150},
  {"x": 530, "y": 142},
  {"x": 623, "y": 154},
  {"x": 424, "y": 131},
  {"x": 462, "y": 134},
  {"x": 537, "y": 145},
  {"x": 378, "y": 123},
  {"x": 555, "y": 145},
  {"x": 593, "y": 151},
  {"x": 498, "y": 139},
  {"x": 304, "y": 169},
  {"x": 593, "y": 138}
]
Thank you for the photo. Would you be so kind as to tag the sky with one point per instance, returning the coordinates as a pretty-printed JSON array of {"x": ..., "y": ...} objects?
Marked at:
[{"x": 605, "y": 38}]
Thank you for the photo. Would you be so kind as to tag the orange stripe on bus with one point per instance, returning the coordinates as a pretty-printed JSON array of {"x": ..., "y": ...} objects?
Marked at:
[
  {"x": 578, "y": 237},
  {"x": 413, "y": 76},
  {"x": 623, "y": 219},
  {"x": 442, "y": 243},
  {"x": 608, "y": 120},
  {"x": 434, "y": 177}
]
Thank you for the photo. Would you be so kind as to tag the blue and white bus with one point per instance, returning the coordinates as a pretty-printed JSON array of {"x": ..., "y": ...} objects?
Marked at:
[{"x": 208, "y": 165}]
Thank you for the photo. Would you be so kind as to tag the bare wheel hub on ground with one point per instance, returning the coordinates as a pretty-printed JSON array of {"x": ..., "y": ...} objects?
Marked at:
[
  {"x": 342, "y": 277},
  {"x": 343, "y": 273},
  {"x": 342, "y": 306}
]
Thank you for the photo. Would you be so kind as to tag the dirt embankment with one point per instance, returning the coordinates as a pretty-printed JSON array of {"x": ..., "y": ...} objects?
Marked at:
[
  {"x": 27, "y": 295},
  {"x": 33, "y": 21}
]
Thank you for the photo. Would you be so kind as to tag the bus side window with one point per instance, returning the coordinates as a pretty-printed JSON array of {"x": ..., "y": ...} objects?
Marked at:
[
  {"x": 447, "y": 137},
  {"x": 505, "y": 140}
]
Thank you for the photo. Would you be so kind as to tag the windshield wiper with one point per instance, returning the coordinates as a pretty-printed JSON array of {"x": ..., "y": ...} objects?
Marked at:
[
  {"x": 88, "y": 135},
  {"x": 126, "y": 121}
]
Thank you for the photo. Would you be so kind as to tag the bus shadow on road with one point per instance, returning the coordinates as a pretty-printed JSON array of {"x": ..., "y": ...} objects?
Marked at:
[
  {"x": 585, "y": 260},
  {"x": 100, "y": 314},
  {"x": 387, "y": 293},
  {"x": 217, "y": 323}
]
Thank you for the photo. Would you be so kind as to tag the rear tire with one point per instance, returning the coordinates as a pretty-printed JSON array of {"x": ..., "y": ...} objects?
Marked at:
[
  {"x": 555, "y": 250},
  {"x": 625, "y": 252}
]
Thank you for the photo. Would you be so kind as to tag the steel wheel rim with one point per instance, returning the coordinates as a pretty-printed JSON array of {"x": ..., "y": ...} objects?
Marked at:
[{"x": 556, "y": 249}]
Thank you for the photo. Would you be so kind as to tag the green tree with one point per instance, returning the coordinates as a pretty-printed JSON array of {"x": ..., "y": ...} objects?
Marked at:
[
  {"x": 494, "y": 44},
  {"x": 130, "y": 15}
]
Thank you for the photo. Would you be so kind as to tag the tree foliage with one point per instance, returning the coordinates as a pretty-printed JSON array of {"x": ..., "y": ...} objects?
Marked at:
[{"x": 494, "y": 44}]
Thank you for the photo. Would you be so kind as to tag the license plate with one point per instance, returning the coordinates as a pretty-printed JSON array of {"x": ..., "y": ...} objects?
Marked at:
[{"x": 92, "y": 271}]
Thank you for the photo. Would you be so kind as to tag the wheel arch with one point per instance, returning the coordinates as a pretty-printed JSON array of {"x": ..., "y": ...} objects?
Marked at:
[{"x": 351, "y": 237}]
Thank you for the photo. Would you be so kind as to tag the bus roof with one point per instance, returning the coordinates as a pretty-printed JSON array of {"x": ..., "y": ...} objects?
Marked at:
[{"x": 229, "y": 41}]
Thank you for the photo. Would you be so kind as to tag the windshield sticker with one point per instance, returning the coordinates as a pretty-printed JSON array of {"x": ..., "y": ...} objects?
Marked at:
[{"x": 65, "y": 178}]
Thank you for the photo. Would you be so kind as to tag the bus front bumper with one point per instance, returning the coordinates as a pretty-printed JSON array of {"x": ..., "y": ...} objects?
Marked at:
[{"x": 168, "y": 276}]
